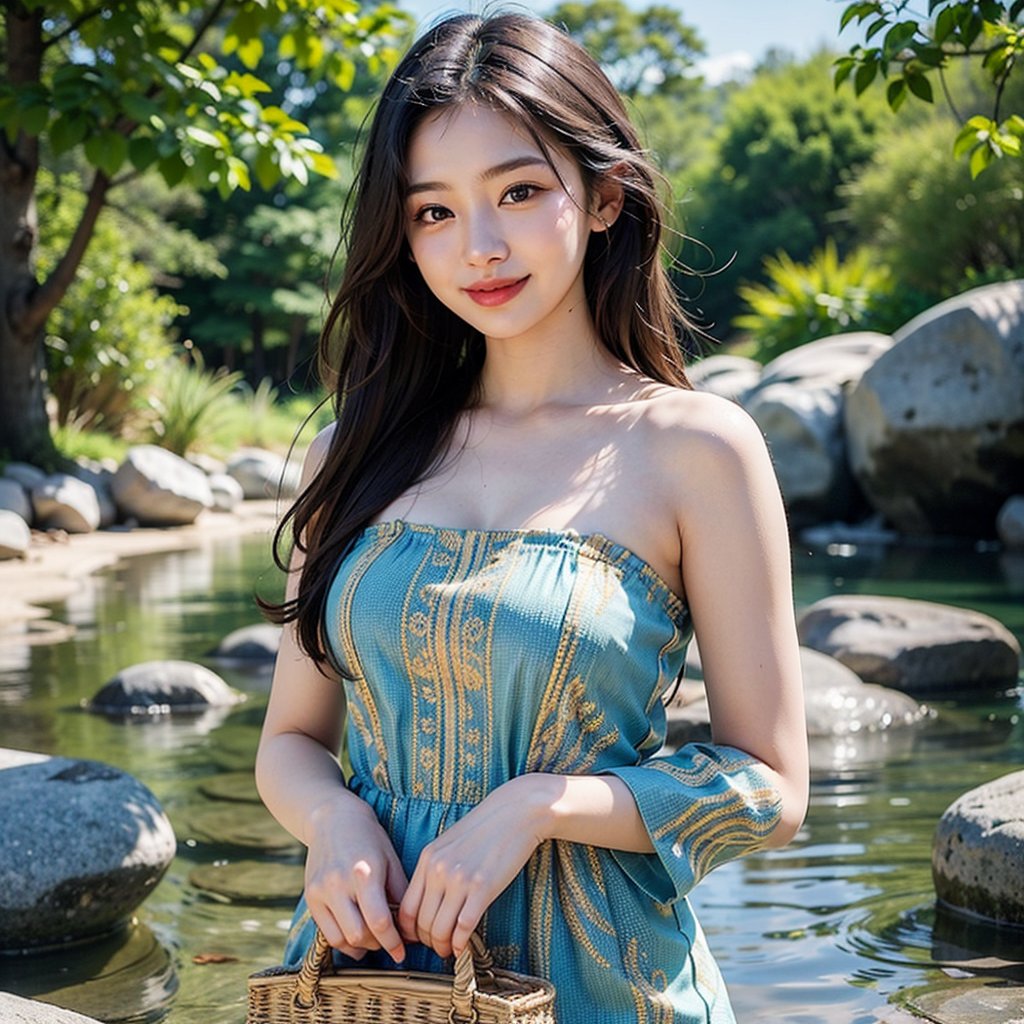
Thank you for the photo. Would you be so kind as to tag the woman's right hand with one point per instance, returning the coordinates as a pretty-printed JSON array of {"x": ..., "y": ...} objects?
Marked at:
[{"x": 353, "y": 877}]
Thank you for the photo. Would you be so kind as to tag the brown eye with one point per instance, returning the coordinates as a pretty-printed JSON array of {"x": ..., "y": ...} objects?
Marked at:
[{"x": 520, "y": 193}]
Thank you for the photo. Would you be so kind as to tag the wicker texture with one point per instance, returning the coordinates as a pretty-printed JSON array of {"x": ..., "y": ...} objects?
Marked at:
[{"x": 478, "y": 993}]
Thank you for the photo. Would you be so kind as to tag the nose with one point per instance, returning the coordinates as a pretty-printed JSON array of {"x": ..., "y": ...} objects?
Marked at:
[{"x": 484, "y": 243}]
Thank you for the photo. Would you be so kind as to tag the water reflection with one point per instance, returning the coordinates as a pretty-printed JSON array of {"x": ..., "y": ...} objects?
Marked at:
[
  {"x": 834, "y": 929},
  {"x": 126, "y": 977}
]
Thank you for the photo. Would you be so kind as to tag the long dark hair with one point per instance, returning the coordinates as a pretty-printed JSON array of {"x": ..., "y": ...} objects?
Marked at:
[{"x": 401, "y": 365}]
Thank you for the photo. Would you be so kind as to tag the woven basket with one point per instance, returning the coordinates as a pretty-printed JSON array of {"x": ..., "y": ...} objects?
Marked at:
[{"x": 478, "y": 993}]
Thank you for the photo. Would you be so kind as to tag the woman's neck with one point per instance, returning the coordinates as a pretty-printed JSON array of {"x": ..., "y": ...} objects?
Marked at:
[{"x": 522, "y": 375}]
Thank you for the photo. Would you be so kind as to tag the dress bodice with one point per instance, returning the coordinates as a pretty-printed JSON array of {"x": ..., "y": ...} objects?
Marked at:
[{"x": 478, "y": 655}]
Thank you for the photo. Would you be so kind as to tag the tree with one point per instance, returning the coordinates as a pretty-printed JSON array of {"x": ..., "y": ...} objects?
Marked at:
[
  {"x": 164, "y": 86},
  {"x": 642, "y": 51},
  {"x": 915, "y": 50},
  {"x": 786, "y": 144}
]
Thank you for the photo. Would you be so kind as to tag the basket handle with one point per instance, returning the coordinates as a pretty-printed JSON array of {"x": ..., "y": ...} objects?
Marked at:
[{"x": 473, "y": 960}]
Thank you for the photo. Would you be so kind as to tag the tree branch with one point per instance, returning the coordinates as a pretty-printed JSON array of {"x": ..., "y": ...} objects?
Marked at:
[
  {"x": 45, "y": 298},
  {"x": 948, "y": 95},
  {"x": 211, "y": 16},
  {"x": 1000, "y": 87},
  {"x": 73, "y": 27}
]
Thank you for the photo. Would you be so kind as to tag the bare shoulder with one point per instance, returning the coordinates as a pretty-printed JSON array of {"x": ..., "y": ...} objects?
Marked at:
[
  {"x": 317, "y": 452},
  {"x": 701, "y": 431}
]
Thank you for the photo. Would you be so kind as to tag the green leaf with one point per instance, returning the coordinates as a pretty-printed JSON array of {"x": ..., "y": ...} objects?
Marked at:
[
  {"x": 68, "y": 131},
  {"x": 250, "y": 51},
  {"x": 267, "y": 172},
  {"x": 843, "y": 68},
  {"x": 322, "y": 164},
  {"x": 980, "y": 159},
  {"x": 203, "y": 137},
  {"x": 966, "y": 139},
  {"x": 896, "y": 93},
  {"x": 865, "y": 76},
  {"x": 921, "y": 88},
  {"x": 875, "y": 27},
  {"x": 945, "y": 24},
  {"x": 898, "y": 36},
  {"x": 33, "y": 121},
  {"x": 108, "y": 151},
  {"x": 138, "y": 107},
  {"x": 173, "y": 169},
  {"x": 142, "y": 152}
]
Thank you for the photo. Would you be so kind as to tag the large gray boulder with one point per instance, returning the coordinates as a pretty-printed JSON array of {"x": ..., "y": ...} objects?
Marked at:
[
  {"x": 726, "y": 376},
  {"x": 15, "y": 536},
  {"x": 264, "y": 474},
  {"x": 163, "y": 687},
  {"x": 82, "y": 845},
  {"x": 227, "y": 492},
  {"x": 63, "y": 502},
  {"x": 798, "y": 405},
  {"x": 935, "y": 428},
  {"x": 978, "y": 851},
  {"x": 158, "y": 488},
  {"x": 16, "y": 1010},
  {"x": 14, "y": 498},
  {"x": 919, "y": 647}
]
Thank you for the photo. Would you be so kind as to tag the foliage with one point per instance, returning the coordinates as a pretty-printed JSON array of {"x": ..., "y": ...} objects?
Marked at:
[
  {"x": 108, "y": 337},
  {"x": 642, "y": 50},
  {"x": 915, "y": 49},
  {"x": 76, "y": 442},
  {"x": 141, "y": 86},
  {"x": 803, "y": 302},
  {"x": 923, "y": 214},
  {"x": 168, "y": 88},
  {"x": 786, "y": 143},
  {"x": 190, "y": 402}
]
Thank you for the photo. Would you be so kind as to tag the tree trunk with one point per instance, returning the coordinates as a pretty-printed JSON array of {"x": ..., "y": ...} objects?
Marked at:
[
  {"x": 25, "y": 304},
  {"x": 259, "y": 361},
  {"x": 24, "y": 428}
]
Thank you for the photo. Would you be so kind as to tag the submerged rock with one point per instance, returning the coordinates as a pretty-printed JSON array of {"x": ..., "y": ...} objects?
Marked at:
[
  {"x": 257, "y": 643},
  {"x": 163, "y": 687},
  {"x": 919, "y": 647},
  {"x": 1010, "y": 523},
  {"x": 14, "y": 498},
  {"x": 935, "y": 428},
  {"x": 82, "y": 845},
  {"x": 15, "y": 1010},
  {"x": 158, "y": 488},
  {"x": 978, "y": 851}
]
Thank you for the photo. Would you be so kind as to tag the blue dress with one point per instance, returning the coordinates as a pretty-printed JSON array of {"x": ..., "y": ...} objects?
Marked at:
[{"x": 480, "y": 655}]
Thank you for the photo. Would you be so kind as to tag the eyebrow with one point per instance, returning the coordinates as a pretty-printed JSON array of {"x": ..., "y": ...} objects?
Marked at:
[{"x": 505, "y": 167}]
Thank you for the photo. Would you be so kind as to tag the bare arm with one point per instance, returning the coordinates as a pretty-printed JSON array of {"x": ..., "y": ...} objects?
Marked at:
[{"x": 352, "y": 871}]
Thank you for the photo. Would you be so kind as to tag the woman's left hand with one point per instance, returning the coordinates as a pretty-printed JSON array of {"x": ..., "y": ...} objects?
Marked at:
[{"x": 461, "y": 873}]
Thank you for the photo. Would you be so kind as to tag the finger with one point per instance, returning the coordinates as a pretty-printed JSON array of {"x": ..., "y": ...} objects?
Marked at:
[
  {"x": 373, "y": 904},
  {"x": 396, "y": 884},
  {"x": 353, "y": 926},
  {"x": 409, "y": 908},
  {"x": 444, "y": 923},
  {"x": 466, "y": 923},
  {"x": 327, "y": 923},
  {"x": 430, "y": 904}
]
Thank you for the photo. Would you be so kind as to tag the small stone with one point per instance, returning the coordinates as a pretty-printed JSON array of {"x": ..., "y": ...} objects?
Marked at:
[
  {"x": 978, "y": 851},
  {"x": 15, "y": 536},
  {"x": 26, "y": 475},
  {"x": 264, "y": 474},
  {"x": 227, "y": 492},
  {"x": 63, "y": 502},
  {"x": 14, "y": 498},
  {"x": 239, "y": 824},
  {"x": 1010, "y": 523},
  {"x": 162, "y": 687}
]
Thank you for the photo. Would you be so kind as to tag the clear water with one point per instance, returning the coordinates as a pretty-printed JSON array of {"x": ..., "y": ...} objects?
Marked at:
[{"x": 840, "y": 926}]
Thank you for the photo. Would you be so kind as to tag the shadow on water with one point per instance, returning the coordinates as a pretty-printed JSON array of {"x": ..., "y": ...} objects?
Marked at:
[{"x": 840, "y": 927}]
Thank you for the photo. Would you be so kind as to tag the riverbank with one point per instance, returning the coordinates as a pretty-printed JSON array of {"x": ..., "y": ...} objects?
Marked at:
[{"x": 57, "y": 563}]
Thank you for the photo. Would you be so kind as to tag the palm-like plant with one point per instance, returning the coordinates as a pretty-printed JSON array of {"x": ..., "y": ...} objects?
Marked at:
[{"x": 802, "y": 302}]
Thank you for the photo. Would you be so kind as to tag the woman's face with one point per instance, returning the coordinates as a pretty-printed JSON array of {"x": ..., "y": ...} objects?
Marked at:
[{"x": 497, "y": 234}]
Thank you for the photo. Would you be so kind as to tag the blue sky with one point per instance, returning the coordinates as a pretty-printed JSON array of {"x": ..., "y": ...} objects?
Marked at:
[{"x": 736, "y": 33}]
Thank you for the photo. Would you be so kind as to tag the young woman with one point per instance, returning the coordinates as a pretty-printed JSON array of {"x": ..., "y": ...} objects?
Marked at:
[{"x": 503, "y": 546}]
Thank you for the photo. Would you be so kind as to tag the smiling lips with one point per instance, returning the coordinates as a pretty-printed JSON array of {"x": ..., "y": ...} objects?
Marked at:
[{"x": 496, "y": 292}]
